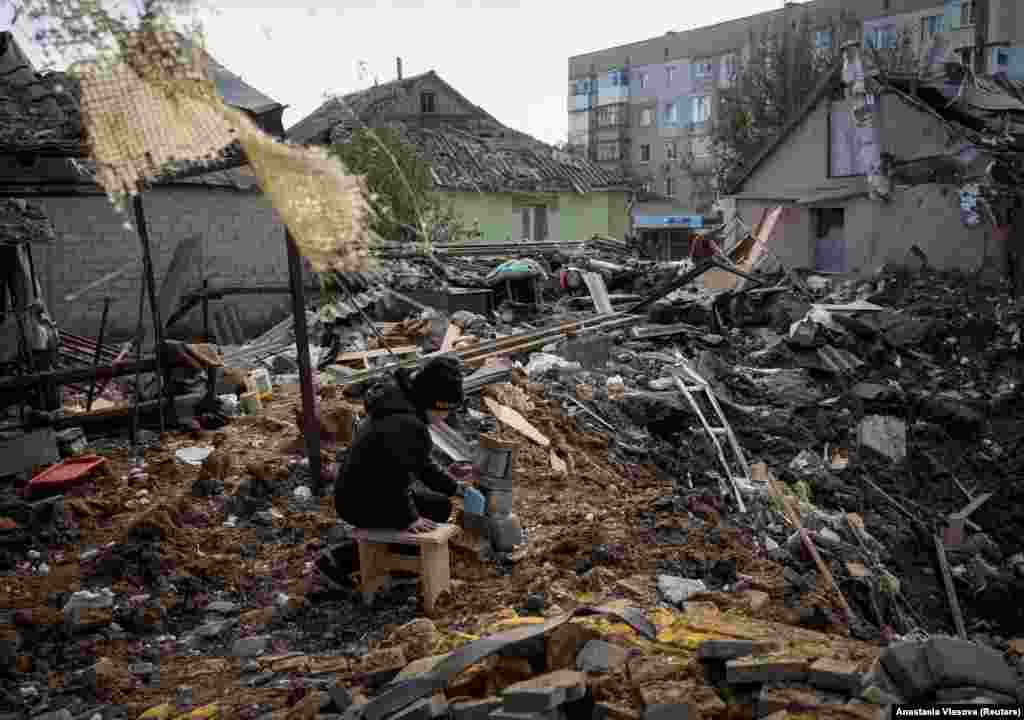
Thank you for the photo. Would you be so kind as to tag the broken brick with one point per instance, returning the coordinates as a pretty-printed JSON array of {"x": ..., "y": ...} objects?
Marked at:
[
  {"x": 835, "y": 675},
  {"x": 598, "y": 656},
  {"x": 545, "y": 692},
  {"x": 760, "y": 671}
]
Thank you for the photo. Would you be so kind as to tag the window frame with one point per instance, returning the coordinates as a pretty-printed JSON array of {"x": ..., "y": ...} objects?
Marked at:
[
  {"x": 699, "y": 101},
  {"x": 670, "y": 189},
  {"x": 670, "y": 72},
  {"x": 646, "y": 114},
  {"x": 703, "y": 69},
  {"x": 672, "y": 112},
  {"x": 641, "y": 78},
  {"x": 819, "y": 34},
  {"x": 671, "y": 150},
  {"x": 428, "y": 98},
  {"x": 645, "y": 147}
]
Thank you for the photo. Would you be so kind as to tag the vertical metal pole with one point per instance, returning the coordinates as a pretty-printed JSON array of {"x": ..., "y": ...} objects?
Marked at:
[
  {"x": 311, "y": 427},
  {"x": 211, "y": 373},
  {"x": 99, "y": 350},
  {"x": 150, "y": 282}
]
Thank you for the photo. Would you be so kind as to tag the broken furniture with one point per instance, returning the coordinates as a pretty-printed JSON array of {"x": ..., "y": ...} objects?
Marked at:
[{"x": 433, "y": 566}]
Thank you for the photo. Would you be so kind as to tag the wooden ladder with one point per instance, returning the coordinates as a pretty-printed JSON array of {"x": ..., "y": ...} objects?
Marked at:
[{"x": 692, "y": 385}]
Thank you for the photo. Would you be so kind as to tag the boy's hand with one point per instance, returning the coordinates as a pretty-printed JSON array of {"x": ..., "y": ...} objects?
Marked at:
[{"x": 422, "y": 525}]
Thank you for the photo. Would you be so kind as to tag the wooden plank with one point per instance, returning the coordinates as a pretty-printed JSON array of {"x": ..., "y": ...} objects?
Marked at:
[
  {"x": 357, "y": 355},
  {"x": 516, "y": 421},
  {"x": 971, "y": 507},
  {"x": 435, "y": 537},
  {"x": 947, "y": 580},
  {"x": 598, "y": 292},
  {"x": 453, "y": 333}
]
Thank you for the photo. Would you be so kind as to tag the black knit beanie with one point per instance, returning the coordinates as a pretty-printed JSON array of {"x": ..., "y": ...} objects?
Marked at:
[{"x": 438, "y": 386}]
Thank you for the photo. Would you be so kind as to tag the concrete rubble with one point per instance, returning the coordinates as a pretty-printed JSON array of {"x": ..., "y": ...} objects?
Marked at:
[{"x": 795, "y": 572}]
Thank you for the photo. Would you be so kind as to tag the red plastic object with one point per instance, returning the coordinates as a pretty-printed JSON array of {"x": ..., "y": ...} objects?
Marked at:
[{"x": 69, "y": 472}]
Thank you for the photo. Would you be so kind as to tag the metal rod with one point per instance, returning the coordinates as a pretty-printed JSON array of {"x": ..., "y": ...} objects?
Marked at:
[
  {"x": 211, "y": 373},
  {"x": 139, "y": 339},
  {"x": 150, "y": 285},
  {"x": 311, "y": 426},
  {"x": 99, "y": 351}
]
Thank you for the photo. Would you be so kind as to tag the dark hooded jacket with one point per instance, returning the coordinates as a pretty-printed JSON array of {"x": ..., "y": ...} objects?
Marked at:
[{"x": 391, "y": 448}]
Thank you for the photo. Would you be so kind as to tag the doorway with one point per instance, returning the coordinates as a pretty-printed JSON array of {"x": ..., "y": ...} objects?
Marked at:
[{"x": 829, "y": 239}]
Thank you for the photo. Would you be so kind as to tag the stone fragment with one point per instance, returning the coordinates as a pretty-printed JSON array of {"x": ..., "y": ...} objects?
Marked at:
[
  {"x": 773, "y": 700},
  {"x": 222, "y": 607},
  {"x": 475, "y": 709},
  {"x": 251, "y": 646},
  {"x": 598, "y": 656},
  {"x": 419, "y": 667},
  {"x": 565, "y": 643},
  {"x": 907, "y": 664},
  {"x": 677, "y": 590},
  {"x": 673, "y": 711},
  {"x": 733, "y": 649},
  {"x": 836, "y": 676},
  {"x": 426, "y": 709},
  {"x": 418, "y": 636},
  {"x": 751, "y": 671},
  {"x": 885, "y": 435},
  {"x": 959, "y": 663},
  {"x": 544, "y": 693},
  {"x": 756, "y": 599}
]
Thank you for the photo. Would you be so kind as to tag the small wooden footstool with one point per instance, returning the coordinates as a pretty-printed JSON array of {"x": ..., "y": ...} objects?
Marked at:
[{"x": 433, "y": 565}]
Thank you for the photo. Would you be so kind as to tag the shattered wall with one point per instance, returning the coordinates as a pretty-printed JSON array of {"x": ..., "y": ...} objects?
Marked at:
[
  {"x": 925, "y": 215},
  {"x": 243, "y": 244}
]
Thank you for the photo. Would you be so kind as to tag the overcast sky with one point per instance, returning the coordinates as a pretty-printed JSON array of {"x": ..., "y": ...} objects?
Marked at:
[{"x": 509, "y": 57}]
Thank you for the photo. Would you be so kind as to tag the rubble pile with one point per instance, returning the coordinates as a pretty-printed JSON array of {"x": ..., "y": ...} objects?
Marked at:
[{"x": 797, "y": 499}]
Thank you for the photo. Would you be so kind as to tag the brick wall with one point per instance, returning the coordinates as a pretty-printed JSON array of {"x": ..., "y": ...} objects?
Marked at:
[{"x": 243, "y": 243}]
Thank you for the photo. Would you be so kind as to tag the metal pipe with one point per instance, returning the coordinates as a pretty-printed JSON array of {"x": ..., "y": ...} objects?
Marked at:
[
  {"x": 311, "y": 426},
  {"x": 150, "y": 283},
  {"x": 99, "y": 351}
]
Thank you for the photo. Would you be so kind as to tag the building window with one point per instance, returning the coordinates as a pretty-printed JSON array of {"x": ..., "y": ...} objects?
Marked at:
[
  {"x": 931, "y": 26},
  {"x": 1002, "y": 58},
  {"x": 670, "y": 73},
  {"x": 702, "y": 69},
  {"x": 647, "y": 187},
  {"x": 671, "y": 152},
  {"x": 823, "y": 39},
  {"x": 881, "y": 38},
  {"x": 610, "y": 116},
  {"x": 618, "y": 78},
  {"x": 540, "y": 223},
  {"x": 670, "y": 187},
  {"x": 646, "y": 117},
  {"x": 672, "y": 112},
  {"x": 428, "y": 102},
  {"x": 645, "y": 153},
  {"x": 728, "y": 69},
  {"x": 642, "y": 78},
  {"x": 608, "y": 152},
  {"x": 966, "y": 14},
  {"x": 699, "y": 114}
]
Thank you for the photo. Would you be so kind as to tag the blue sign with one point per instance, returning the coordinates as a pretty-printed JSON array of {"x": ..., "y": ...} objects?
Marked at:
[{"x": 662, "y": 221}]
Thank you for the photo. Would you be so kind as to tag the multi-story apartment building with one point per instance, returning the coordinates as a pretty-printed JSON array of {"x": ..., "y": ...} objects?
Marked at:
[{"x": 646, "y": 108}]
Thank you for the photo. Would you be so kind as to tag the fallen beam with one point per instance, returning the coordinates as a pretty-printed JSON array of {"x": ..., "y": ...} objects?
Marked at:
[{"x": 76, "y": 375}]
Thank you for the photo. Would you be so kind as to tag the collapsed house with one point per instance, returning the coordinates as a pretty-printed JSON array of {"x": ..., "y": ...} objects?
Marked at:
[
  {"x": 939, "y": 147},
  {"x": 511, "y": 186},
  {"x": 237, "y": 236}
]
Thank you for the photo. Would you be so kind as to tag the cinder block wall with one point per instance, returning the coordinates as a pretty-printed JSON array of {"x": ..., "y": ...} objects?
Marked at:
[{"x": 243, "y": 244}]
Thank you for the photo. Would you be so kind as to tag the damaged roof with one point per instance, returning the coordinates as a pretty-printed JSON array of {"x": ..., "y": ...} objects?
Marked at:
[
  {"x": 40, "y": 112},
  {"x": 358, "y": 108},
  {"x": 462, "y": 160},
  {"x": 22, "y": 221},
  {"x": 988, "y": 110}
]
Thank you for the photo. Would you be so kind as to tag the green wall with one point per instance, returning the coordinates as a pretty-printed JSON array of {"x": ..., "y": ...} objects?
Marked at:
[{"x": 577, "y": 216}]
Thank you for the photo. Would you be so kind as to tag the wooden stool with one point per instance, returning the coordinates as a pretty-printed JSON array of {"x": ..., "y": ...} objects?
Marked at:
[{"x": 433, "y": 565}]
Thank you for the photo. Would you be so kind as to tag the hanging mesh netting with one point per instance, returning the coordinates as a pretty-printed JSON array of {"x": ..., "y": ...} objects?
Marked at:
[{"x": 155, "y": 112}]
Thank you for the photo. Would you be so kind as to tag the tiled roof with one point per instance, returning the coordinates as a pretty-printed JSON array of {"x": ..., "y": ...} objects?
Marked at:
[
  {"x": 38, "y": 113},
  {"x": 22, "y": 221},
  {"x": 364, "y": 106},
  {"x": 461, "y": 160}
]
